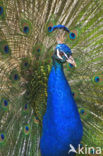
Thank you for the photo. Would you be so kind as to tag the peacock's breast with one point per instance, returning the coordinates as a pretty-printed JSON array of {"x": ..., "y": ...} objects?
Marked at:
[{"x": 61, "y": 123}]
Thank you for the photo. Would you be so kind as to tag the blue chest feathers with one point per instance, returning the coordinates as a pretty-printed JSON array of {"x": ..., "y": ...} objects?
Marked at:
[{"x": 61, "y": 123}]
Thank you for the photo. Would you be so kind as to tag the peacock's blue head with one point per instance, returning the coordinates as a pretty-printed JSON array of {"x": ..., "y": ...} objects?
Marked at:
[{"x": 63, "y": 54}]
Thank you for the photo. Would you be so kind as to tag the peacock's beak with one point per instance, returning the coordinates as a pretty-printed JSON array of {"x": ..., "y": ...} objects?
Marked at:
[{"x": 71, "y": 60}]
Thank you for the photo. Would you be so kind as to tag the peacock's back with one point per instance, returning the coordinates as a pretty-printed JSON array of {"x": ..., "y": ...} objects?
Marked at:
[{"x": 26, "y": 47}]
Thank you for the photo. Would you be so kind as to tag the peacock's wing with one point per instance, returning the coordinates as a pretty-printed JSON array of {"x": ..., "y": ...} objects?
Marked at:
[{"x": 25, "y": 59}]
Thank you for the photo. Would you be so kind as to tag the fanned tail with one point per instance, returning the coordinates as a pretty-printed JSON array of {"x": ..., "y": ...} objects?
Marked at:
[{"x": 26, "y": 48}]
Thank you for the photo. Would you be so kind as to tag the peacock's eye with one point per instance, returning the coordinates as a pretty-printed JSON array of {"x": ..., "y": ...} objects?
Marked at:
[{"x": 61, "y": 53}]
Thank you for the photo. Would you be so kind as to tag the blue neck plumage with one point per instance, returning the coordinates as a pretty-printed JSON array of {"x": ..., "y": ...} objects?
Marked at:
[
  {"x": 60, "y": 100},
  {"x": 61, "y": 120},
  {"x": 57, "y": 65}
]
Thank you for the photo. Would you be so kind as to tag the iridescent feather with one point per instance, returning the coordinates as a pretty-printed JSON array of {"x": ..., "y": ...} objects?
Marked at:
[{"x": 26, "y": 48}]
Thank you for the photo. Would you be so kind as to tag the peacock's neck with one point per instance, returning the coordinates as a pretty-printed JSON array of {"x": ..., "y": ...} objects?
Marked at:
[
  {"x": 57, "y": 65},
  {"x": 60, "y": 100},
  {"x": 61, "y": 118}
]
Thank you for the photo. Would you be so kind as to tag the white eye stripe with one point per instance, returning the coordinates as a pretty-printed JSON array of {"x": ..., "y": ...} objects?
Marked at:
[
  {"x": 66, "y": 55},
  {"x": 58, "y": 54}
]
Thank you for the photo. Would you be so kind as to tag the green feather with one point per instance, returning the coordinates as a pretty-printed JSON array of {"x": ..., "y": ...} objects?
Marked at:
[
  {"x": 26, "y": 49},
  {"x": 5, "y": 49}
]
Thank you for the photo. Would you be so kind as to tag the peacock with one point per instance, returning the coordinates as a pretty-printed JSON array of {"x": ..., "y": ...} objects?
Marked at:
[
  {"x": 29, "y": 57},
  {"x": 62, "y": 126}
]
